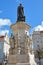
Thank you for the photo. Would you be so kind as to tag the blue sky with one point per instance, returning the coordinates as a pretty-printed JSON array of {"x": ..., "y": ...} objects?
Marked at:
[{"x": 33, "y": 10}]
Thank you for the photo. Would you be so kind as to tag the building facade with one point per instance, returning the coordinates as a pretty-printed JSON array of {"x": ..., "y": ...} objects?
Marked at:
[
  {"x": 1, "y": 49},
  {"x": 4, "y": 48},
  {"x": 37, "y": 40}
]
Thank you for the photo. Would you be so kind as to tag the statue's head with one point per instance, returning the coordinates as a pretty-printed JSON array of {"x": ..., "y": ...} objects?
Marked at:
[{"x": 20, "y": 4}]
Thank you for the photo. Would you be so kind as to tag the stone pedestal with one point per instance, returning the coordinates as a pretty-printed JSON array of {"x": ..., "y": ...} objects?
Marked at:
[{"x": 18, "y": 59}]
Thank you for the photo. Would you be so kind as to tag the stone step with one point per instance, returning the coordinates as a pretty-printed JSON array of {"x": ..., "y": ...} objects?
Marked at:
[
  {"x": 22, "y": 64},
  {"x": 18, "y": 64}
]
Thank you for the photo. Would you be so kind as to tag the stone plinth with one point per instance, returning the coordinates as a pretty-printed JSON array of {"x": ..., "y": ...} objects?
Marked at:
[
  {"x": 12, "y": 59},
  {"x": 18, "y": 59},
  {"x": 22, "y": 58},
  {"x": 19, "y": 64},
  {"x": 23, "y": 64}
]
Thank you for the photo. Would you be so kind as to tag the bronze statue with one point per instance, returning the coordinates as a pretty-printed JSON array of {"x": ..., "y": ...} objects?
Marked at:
[{"x": 20, "y": 13}]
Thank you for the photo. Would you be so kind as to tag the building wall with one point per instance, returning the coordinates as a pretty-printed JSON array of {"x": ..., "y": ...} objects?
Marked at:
[
  {"x": 1, "y": 49},
  {"x": 37, "y": 39}
]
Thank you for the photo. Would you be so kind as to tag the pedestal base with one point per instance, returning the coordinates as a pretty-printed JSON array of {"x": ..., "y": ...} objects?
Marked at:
[
  {"x": 19, "y": 64},
  {"x": 18, "y": 59}
]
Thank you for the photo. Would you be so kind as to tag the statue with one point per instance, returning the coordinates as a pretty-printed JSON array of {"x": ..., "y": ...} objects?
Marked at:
[
  {"x": 20, "y": 13},
  {"x": 12, "y": 41},
  {"x": 32, "y": 59}
]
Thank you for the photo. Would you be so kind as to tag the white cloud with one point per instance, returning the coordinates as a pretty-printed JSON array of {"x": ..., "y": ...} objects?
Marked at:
[
  {"x": 5, "y": 22},
  {"x": 2, "y": 32},
  {"x": 39, "y": 27}
]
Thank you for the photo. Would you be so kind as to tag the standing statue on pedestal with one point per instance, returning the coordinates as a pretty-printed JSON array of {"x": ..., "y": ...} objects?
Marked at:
[
  {"x": 20, "y": 13},
  {"x": 12, "y": 40},
  {"x": 12, "y": 43}
]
